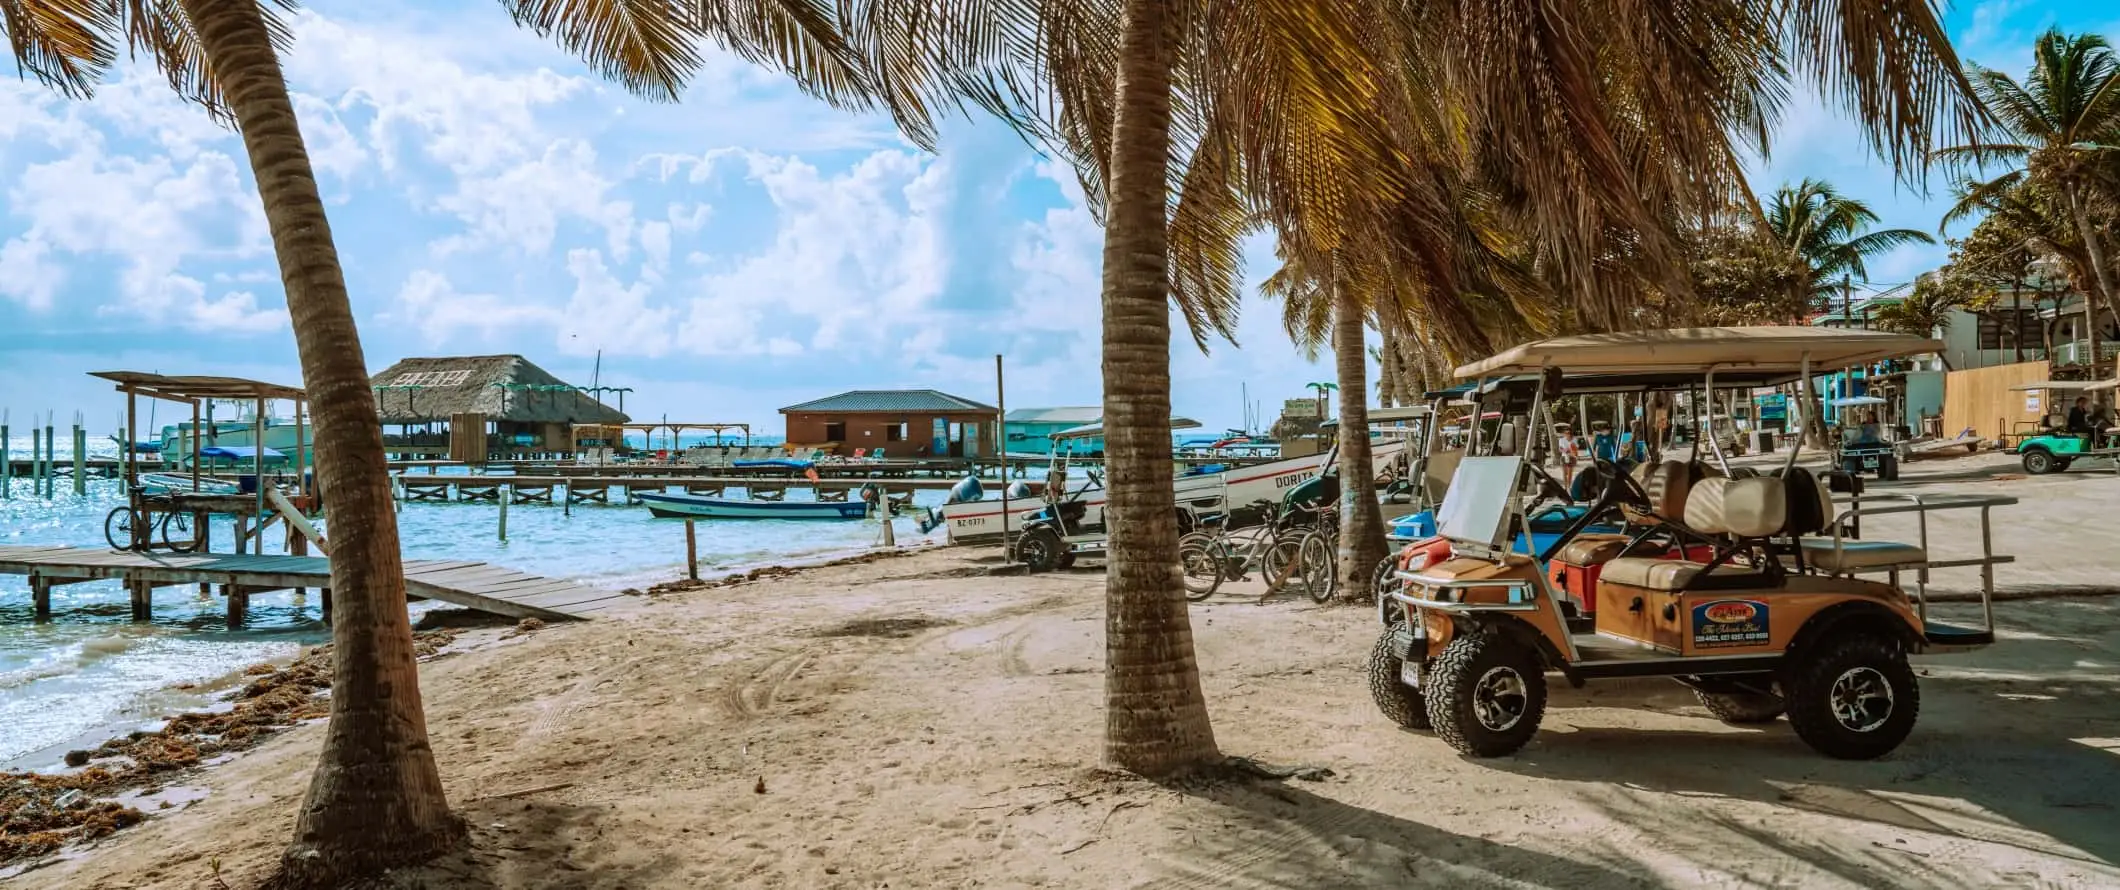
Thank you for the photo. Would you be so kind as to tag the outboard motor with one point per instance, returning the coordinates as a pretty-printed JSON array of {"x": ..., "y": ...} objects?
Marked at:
[
  {"x": 1020, "y": 491},
  {"x": 966, "y": 490}
]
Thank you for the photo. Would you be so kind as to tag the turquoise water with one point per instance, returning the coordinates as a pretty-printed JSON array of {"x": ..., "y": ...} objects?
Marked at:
[{"x": 91, "y": 670}]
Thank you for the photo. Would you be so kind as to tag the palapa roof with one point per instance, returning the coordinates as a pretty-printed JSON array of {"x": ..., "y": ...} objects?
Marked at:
[
  {"x": 892, "y": 401},
  {"x": 502, "y": 387},
  {"x": 1075, "y": 416}
]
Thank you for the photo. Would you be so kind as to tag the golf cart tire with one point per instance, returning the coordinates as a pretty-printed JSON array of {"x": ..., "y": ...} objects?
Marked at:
[
  {"x": 1066, "y": 560},
  {"x": 1039, "y": 549},
  {"x": 1808, "y": 689},
  {"x": 2039, "y": 462},
  {"x": 1741, "y": 708},
  {"x": 1474, "y": 657},
  {"x": 1383, "y": 578},
  {"x": 1400, "y": 703},
  {"x": 1888, "y": 468}
]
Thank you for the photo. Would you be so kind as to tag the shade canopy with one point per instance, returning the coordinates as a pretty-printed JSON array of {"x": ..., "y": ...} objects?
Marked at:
[
  {"x": 1093, "y": 430},
  {"x": 1856, "y": 402},
  {"x": 2064, "y": 386},
  {"x": 1763, "y": 348},
  {"x": 195, "y": 388},
  {"x": 239, "y": 452}
]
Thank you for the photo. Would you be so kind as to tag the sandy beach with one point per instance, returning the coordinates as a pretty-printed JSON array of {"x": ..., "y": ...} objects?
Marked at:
[{"x": 920, "y": 722}]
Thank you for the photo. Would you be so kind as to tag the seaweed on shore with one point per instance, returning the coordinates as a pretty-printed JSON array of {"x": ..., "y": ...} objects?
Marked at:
[{"x": 41, "y": 813}]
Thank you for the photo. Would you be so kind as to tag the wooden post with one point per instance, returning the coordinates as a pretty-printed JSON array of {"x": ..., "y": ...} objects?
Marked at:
[
  {"x": 301, "y": 455},
  {"x": 257, "y": 465},
  {"x": 40, "y": 593},
  {"x": 691, "y": 551},
  {"x": 80, "y": 458},
  {"x": 238, "y": 602},
  {"x": 143, "y": 596},
  {"x": 7, "y": 464},
  {"x": 195, "y": 445},
  {"x": 242, "y": 533},
  {"x": 325, "y": 595},
  {"x": 36, "y": 459},
  {"x": 506, "y": 496}
]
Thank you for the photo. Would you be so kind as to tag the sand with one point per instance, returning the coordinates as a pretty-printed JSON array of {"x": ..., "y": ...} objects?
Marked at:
[{"x": 916, "y": 722}]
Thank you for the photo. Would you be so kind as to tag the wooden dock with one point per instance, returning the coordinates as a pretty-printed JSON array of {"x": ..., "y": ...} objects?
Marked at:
[
  {"x": 475, "y": 585},
  {"x": 542, "y": 489}
]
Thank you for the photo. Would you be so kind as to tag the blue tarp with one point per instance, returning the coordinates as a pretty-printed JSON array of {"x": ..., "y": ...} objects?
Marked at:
[{"x": 238, "y": 452}]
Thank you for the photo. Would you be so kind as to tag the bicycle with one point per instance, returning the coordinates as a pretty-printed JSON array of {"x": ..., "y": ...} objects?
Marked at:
[
  {"x": 172, "y": 526},
  {"x": 1285, "y": 548}
]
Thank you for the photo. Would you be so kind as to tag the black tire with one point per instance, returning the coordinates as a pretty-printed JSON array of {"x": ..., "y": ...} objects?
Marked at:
[
  {"x": 2061, "y": 464},
  {"x": 1319, "y": 566},
  {"x": 177, "y": 533},
  {"x": 2039, "y": 462},
  {"x": 118, "y": 528},
  {"x": 1200, "y": 560},
  {"x": 1039, "y": 549},
  {"x": 1486, "y": 693},
  {"x": 1398, "y": 701},
  {"x": 1741, "y": 708},
  {"x": 1853, "y": 698},
  {"x": 1382, "y": 579},
  {"x": 1066, "y": 560},
  {"x": 1888, "y": 468}
]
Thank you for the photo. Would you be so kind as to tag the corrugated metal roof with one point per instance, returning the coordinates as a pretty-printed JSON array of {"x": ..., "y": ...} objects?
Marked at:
[
  {"x": 892, "y": 400},
  {"x": 1076, "y": 416}
]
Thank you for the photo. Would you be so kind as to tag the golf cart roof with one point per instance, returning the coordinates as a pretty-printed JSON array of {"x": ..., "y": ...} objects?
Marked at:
[
  {"x": 1093, "y": 430},
  {"x": 1856, "y": 402},
  {"x": 1762, "y": 348},
  {"x": 1389, "y": 415},
  {"x": 2064, "y": 386}
]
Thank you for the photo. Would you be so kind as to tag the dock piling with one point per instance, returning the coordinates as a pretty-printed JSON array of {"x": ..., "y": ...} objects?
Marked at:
[
  {"x": 691, "y": 551},
  {"x": 143, "y": 599},
  {"x": 7, "y": 461},
  {"x": 504, "y": 499},
  {"x": 40, "y": 593},
  {"x": 51, "y": 456},
  {"x": 80, "y": 457},
  {"x": 238, "y": 598}
]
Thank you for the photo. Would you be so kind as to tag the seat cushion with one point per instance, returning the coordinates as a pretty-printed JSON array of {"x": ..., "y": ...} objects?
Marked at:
[
  {"x": 1858, "y": 555},
  {"x": 1667, "y": 574},
  {"x": 1590, "y": 550}
]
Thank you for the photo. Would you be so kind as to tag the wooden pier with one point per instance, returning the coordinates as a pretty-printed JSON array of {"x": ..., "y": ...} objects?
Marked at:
[
  {"x": 475, "y": 585},
  {"x": 542, "y": 489}
]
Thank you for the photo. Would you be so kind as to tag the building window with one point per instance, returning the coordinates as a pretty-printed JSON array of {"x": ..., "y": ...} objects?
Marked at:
[
  {"x": 1996, "y": 330},
  {"x": 894, "y": 432},
  {"x": 835, "y": 432}
]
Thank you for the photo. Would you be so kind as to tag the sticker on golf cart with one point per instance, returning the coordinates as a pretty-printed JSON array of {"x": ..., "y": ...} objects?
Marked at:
[{"x": 1730, "y": 623}]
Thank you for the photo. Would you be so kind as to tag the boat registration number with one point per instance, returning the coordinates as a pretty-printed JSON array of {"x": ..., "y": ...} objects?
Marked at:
[{"x": 1410, "y": 673}]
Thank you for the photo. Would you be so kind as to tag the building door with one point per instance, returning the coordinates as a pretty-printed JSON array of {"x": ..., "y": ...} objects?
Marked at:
[{"x": 941, "y": 444}]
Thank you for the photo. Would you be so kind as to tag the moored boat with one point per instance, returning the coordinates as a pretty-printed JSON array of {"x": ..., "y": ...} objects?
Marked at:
[{"x": 702, "y": 507}]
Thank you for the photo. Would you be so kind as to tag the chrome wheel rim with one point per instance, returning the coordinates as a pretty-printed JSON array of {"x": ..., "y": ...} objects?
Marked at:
[
  {"x": 1499, "y": 699},
  {"x": 1861, "y": 699}
]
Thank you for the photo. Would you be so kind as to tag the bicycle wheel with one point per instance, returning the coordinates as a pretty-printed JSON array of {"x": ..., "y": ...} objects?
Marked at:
[
  {"x": 118, "y": 528},
  {"x": 1200, "y": 556},
  {"x": 1284, "y": 553},
  {"x": 177, "y": 534},
  {"x": 1319, "y": 566}
]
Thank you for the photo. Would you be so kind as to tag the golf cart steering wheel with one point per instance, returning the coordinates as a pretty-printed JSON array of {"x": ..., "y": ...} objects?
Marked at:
[
  {"x": 1549, "y": 488},
  {"x": 1620, "y": 489}
]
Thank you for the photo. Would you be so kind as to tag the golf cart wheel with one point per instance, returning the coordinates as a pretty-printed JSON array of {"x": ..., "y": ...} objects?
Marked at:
[
  {"x": 1039, "y": 549},
  {"x": 1741, "y": 708},
  {"x": 1398, "y": 701},
  {"x": 1319, "y": 566},
  {"x": 1384, "y": 578},
  {"x": 1066, "y": 560},
  {"x": 1487, "y": 693},
  {"x": 1853, "y": 698},
  {"x": 1888, "y": 468},
  {"x": 1200, "y": 559},
  {"x": 2039, "y": 462}
]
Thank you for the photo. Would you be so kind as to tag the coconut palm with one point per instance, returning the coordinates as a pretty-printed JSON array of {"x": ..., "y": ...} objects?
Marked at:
[
  {"x": 1827, "y": 237},
  {"x": 1580, "y": 124},
  {"x": 376, "y": 799},
  {"x": 2061, "y": 127}
]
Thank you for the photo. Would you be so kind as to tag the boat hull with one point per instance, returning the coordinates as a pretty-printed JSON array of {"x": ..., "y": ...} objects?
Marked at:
[{"x": 696, "y": 507}]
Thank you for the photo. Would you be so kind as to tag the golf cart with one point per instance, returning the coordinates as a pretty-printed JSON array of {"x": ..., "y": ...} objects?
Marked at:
[
  {"x": 1863, "y": 447},
  {"x": 1774, "y": 620},
  {"x": 2054, "y": 447},
  {"x": 1067, "y": 527}
]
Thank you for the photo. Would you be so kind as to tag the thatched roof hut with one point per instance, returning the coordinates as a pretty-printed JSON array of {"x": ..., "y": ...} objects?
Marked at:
[{"x": 504, "y": 388}]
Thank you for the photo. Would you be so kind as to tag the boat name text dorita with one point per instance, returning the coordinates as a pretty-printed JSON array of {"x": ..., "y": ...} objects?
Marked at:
[{"x": 1292, "y": 480}]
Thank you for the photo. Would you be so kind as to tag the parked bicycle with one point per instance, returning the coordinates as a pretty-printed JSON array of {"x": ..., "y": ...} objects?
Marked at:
[
  {"x": 163, "y": 529},
  {"x": 1286, "y": 549}
]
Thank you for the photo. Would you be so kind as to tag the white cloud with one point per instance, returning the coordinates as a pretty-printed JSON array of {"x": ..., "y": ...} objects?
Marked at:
[
  {"x": 522, "y": 206},
  {"x": 27, "y": 273},
  {"x": 430, "y": 304}
]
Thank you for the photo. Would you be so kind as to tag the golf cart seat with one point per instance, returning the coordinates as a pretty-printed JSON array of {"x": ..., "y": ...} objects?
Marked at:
[
  {"x": 1845, "y": 555},
  {"x": 1752, "y": 507},
  {"x": 1592, "y": 549}
]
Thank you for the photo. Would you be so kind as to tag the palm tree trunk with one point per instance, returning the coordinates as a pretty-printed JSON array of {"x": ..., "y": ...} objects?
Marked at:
[
  {"x": 2102, "y": 273},
  {"x": 375, "y": 800},
  {"x": 1155, "y": 719},
  {"x": 1361, "y": 517}
]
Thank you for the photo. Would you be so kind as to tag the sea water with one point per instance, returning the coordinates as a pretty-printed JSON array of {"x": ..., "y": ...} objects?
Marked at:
[{"x": 92, "y": 671}]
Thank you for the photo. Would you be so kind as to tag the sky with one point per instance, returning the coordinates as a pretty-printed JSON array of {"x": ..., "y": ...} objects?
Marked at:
[{"x": 741, "y": 250}]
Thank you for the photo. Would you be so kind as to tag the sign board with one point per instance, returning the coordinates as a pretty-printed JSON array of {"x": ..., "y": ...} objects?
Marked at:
[
  {"x": 1301, "y": 408},
  {"x": 2031, "y": 403}
]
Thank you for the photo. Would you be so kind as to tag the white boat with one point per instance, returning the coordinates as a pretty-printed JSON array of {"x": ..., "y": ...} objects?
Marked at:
[
  {"x": 976, "y": 521},
  {"x": 176, "y": 442},
  {"x": 667, "y": 506}
]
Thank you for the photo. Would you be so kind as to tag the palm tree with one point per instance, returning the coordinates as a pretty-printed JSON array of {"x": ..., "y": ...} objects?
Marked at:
[
  {"x": 376, "y": 798},
  {"x": 1581, "y": 126},
  {"x": 1826, "y": 237},
  {"x": 2061, "y": 128}
]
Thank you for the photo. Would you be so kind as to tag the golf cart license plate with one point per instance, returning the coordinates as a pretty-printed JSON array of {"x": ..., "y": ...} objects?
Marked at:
[
  {"x": 1410, "y": 673},
  {"x": 1869, "y": 463}
]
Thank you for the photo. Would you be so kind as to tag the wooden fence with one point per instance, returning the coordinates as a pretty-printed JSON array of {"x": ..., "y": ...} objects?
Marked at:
[{"x": 1981, "y": 398}]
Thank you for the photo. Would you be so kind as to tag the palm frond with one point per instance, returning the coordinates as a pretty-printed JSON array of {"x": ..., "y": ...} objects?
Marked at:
[{"x": 61, "y": 43}]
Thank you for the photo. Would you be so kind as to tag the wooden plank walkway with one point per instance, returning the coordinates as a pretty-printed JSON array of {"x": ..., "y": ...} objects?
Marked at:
[{"x": 476, "y": 585}]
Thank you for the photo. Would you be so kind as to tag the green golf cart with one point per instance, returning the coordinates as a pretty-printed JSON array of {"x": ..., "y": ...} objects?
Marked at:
[{"x": 2054, "y": 448}]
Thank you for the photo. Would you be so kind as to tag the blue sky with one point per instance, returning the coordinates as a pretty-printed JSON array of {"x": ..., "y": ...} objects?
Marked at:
[{"x": 746, "y": 249}]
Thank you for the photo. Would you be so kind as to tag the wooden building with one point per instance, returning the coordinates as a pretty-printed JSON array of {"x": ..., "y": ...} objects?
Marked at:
[
  {"x": 904, "y": 423},
  {"x": 474, "y": 408}
]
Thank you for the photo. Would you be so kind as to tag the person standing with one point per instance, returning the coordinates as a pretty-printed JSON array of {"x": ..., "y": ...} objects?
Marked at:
[{"x": 1569, "y": 449}]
